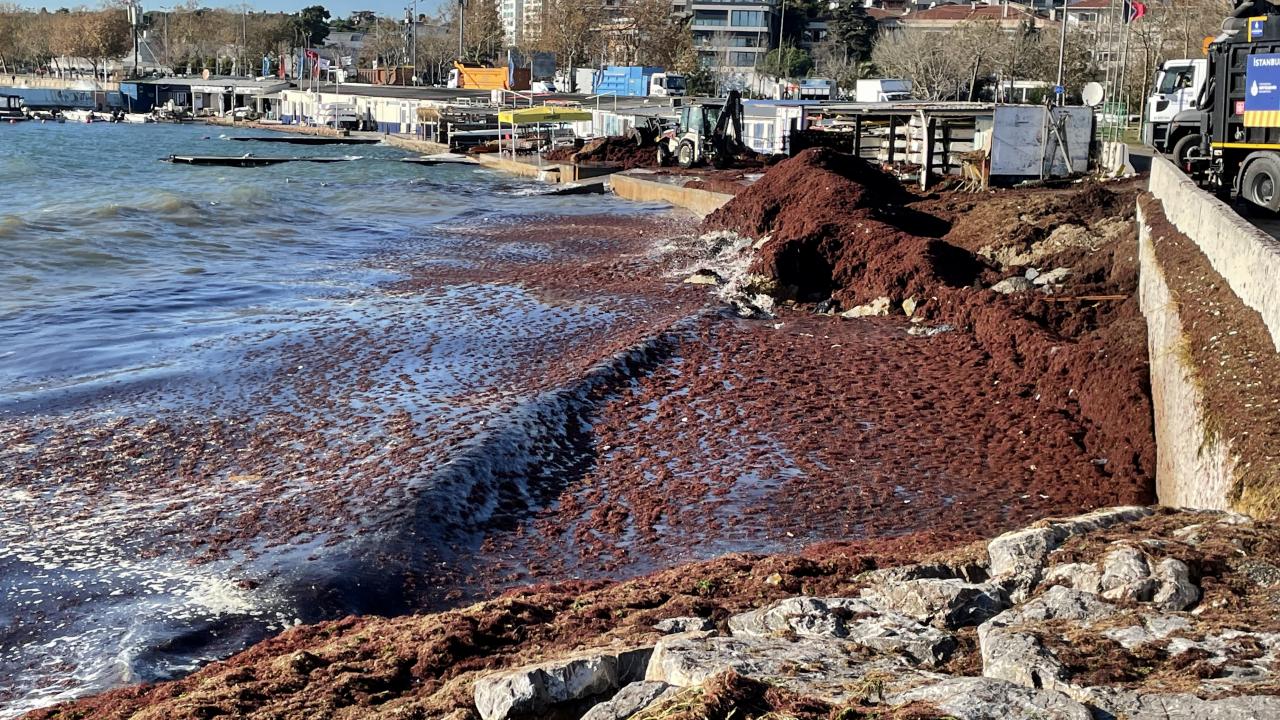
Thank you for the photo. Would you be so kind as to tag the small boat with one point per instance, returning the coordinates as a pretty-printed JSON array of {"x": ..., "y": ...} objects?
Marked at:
[
  {"x": 248, "y": 160},
  {"x": 139, "y": 118},
  {"x": 81, "y": 116},
  {"x": 46, "y": 116},
  {"x": 11, "y": 109}
]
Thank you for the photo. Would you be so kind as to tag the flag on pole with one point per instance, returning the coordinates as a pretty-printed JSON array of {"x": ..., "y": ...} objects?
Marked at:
[{"x": 1133, "y": 10}]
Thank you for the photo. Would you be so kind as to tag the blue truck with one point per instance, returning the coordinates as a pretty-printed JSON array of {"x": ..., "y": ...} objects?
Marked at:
[{"x": 638, "y": 81}]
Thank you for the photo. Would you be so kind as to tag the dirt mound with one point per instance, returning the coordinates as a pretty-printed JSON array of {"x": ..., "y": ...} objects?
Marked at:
[
  {"x": 564, "y": 153},
  {"x": 1016, "y": 221},
  {"x": 842, "y": 229},
  {"x": 617, "y": 149},
  {"x": 838, "y": 228}
]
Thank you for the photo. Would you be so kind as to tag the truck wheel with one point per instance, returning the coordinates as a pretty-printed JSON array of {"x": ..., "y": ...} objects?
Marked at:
[
  {"x": 684, "y": 155},
  {"x": 1261, "y": 185},
  {"x": 1183, "y": 150}
]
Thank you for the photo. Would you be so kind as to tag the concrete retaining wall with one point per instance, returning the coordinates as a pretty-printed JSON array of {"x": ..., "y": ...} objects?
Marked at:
[
  {"x": 319, "y": 130},
  {"x": 546, "y": 173},
  {"x": 1194, "y": 467},
  {"x": 702, "y": 202},
  {"x": 407, "y": 142},
  {"x": 1247, "y": 258}
]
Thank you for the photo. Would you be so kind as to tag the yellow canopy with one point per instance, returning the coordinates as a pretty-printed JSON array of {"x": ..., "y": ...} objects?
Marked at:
[{"x": 543, "y": 114}]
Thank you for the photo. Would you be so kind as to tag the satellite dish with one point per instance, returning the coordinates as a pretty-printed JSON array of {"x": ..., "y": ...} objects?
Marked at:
[{"x": 1092, "y": 94}]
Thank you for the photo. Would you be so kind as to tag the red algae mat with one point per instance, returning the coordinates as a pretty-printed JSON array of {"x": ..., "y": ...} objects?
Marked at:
[{"x": 762, "y": 436}]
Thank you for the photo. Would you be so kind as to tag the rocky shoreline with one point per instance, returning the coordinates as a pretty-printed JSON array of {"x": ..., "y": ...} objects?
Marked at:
[
  {"x": 831, "y": 369},
  {"x": 1132, "y": 612},
  {"x": 1124, "y": 612}
]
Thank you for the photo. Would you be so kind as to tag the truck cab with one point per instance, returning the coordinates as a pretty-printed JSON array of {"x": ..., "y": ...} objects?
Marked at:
[
  {"x": 1171, "y": 110},
  {"x": 882, "y": 90},
  {"x": 666, "y": 85}
]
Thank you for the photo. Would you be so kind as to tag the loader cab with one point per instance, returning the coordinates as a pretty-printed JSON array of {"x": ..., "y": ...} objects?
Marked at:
[{"x": 700, "y": 118}]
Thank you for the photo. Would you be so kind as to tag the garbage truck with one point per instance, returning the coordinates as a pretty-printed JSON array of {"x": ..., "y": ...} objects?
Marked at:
[
  {"x": 638, "y": 81},
  {"x": 1236, "y": 151}
]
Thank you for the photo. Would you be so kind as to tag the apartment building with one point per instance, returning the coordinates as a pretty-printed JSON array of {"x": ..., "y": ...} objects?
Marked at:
[
  {"x": 732, "y": 35},
  {"x": 519, "y": 17}
]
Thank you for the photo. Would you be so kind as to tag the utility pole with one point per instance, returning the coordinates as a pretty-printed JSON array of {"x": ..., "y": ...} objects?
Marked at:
[
  {"x": 414, "y": 20},
  {"x": 1062, "y": 54},
  {"x": 462, "y": 22},
  {"x": 782, "y": 22},
  {"x": 135, "y": 19}
]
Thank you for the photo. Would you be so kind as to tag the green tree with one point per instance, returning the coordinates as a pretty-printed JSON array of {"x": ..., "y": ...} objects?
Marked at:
[
  {"x": 797, "y": 15},
  {"x": 313, "y": 23},
  {"x": 854, "y": 30},
  {"x": 787, "y": 61}
]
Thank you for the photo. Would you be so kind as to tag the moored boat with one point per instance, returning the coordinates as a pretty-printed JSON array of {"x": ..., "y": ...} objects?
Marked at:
[
  {"x": 139, "y": 118},
  {"x": 11, "y": 109}
]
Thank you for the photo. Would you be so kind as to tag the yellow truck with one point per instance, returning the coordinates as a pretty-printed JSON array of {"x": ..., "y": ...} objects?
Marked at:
[{"x": 477, "y": 77}]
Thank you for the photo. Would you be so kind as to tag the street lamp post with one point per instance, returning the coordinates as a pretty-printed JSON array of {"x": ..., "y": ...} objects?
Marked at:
[{"x": 462, "y": 22}]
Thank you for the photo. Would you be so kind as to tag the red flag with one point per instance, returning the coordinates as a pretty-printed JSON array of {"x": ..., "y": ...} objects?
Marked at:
[{"x": 1133, "y": 10}]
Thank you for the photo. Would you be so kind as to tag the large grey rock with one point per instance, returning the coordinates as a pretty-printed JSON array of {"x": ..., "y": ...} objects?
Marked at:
[
  {"x": 972, "y": 698},
  {"x": 630, "y": 700},
  {"x": 895, "y": 634},
  {"x": 851, "y": 619},
  {"x": 1058, "y": 603},
  {"x": 1114, "y": 704},
  {"x": 1016, "y": 656},
  {"x": 1126, "y": 575},
  {"x": 1018, "y": 557},
  {"x": 683, "y": 624},
  {"x": 943, "y": 603},
  {"x": 1174, "y": 590},
  {"x": 825, "y": 668},
  {"x": 1010, "y": 649},
  {"x": 1079, "y": 576},
  {"x": 809, "y": 616},
  {"x": 534, "y": 688}
]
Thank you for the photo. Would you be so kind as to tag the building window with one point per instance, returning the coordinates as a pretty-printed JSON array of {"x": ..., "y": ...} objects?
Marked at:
[
  {"x": 709, "y": 17},
  {"x": 742, "y": 59},
  {"x": 748, "y": 18}
]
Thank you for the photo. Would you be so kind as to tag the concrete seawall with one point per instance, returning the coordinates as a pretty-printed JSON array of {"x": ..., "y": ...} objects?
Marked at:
[
  {"x": 1209, "y": 289},
  {"x": 1193, "y": 466},
  {"x": 1247, "y": 258},
  {"x": 702, "y": 202}
]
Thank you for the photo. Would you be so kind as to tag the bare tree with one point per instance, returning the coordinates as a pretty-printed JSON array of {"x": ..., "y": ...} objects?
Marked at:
[
  {"x": 571, "y": 30},
  {"x": 934, "y": 67}
]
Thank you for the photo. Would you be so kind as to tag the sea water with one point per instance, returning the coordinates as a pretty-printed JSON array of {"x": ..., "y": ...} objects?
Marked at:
[{"x": 219, "y": 416}]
